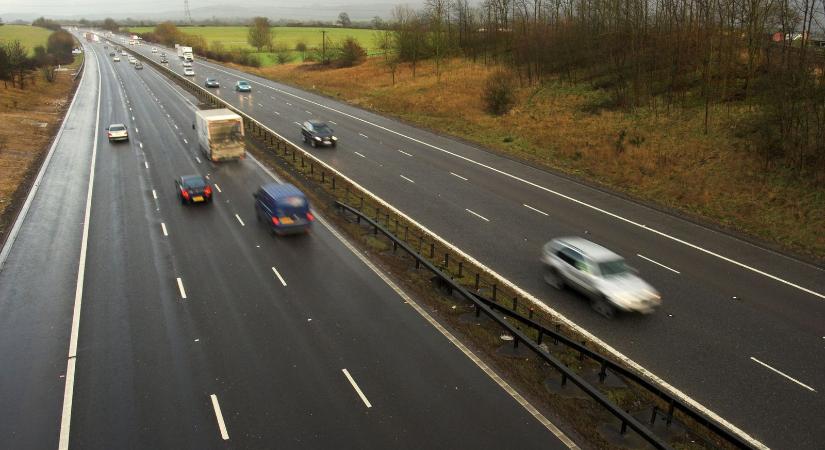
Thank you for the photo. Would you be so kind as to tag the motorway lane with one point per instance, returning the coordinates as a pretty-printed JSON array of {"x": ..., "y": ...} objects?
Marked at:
[
  {"x": 274, "y": 355},
  {"x": 37, "y": 284},
  {"x": 743, "y": 314}
]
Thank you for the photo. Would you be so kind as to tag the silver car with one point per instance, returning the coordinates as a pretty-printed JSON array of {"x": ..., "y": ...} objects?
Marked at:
[{"x": 598, "y": 273}]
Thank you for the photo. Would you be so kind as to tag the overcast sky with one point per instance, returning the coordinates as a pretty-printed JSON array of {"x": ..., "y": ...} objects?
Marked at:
[{"x": 173, "y": 9}]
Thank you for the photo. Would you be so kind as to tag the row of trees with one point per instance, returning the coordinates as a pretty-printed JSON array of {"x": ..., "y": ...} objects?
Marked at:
[
  {"x": 653, "y": 54},
  {"x": 16, "y": 64}
]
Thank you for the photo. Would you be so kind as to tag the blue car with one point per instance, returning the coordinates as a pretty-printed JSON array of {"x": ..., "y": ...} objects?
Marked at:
[
  {"x": 243, "y": 86},
  {"x": 284, "y": 208}
]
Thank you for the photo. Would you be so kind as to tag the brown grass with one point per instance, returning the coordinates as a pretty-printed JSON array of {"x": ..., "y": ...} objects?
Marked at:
[
  {"x": 666, "y": 159},
  {"x": 29, "y": 118}
]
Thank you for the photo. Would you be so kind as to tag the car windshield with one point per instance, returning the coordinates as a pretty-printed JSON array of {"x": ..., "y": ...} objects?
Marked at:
[
  {"x": 321, "y": 128},
  {"x": 210, "y": 80},
  {"x": 117, "y": 128},
  {"x": 194, "y": 182},
  {"x": 615, "y": 267}
]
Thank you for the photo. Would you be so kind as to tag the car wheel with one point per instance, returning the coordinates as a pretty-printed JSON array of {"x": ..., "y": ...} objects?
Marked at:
[
  {"x": 602, "y": 306},
  {"x": 333, "y": 145},
  {"x": 553, "y": 278}
]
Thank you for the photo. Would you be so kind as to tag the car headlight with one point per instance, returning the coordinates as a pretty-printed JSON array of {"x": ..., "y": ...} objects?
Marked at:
[
  {"x": 334, "y": 138},
  {"x": 317, "y": 138}
]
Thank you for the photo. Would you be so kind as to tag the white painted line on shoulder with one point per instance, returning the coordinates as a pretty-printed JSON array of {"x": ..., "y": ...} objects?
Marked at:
[
  {"x": 458, "y": 176},
  {"x": 277, "y": 274},
  {"x": 784, "y": 375},
  {"x": 154, "y": 194},
  {"x": 137, "y": 130},
  {"x": 68, "y": 392},
  {"x": 308, "y": 112},
  {"x": 240, "y": 220},
  {"x": 276, "y": 113},
  {"x": 140, "y": 144},
  {"x": 219, "y": 417},
  {"x": 402, "y": 176},
  {"x": 404, "y": 153},
  {"x": 657, "y": 263},
  {"x": 534, "y": 209},
  {"x": 146, "y": 164},
  {"x": 261, "y": 105},
  {"x": 363, "y": 135},
  {"x": 198, "y": 160},
  {"x": 290, "y": 104},
  {"x": 218, "y": 187},
  {"x": 296, "y": 123},
  {"x": 181, "y": 289},
  {"x": 357, "y": 389},
  {"x": 359, "y": 154},
  {"x": 333, "y": 122},
  {"x": 477, "y": 214},
  {"x": 185, "y": 141},
  {"x": 176, "y": 127},
  {"x": 163, "y": 227}
]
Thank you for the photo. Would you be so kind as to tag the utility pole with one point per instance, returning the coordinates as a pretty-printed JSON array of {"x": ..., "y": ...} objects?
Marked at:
[
  {"x": 186, "y": 11},
  {"x": 323, "y": 46}
]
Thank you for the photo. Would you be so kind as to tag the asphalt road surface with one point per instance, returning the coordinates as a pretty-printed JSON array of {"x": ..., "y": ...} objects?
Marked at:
[
  {"x": 741, "y": 330},
  {"x": 192, "y": 327}
]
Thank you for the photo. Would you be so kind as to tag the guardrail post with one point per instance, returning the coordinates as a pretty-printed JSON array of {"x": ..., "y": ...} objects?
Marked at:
[
  {"x": 515, "y": 341},
  {"x": 477, "y": 281},
  {"x": 447, "y": 261},
  {"x": 432, "y": 250},
  {"x": 495, "y": 288},
  {"x": 333, "y": 183},
  {"x": 362, "y": 203},
  {"x": 653, "y": 414},
  {"x": 624, "y": 428},
  {"x": 530, "y": 314},
  {"x": 581, "y": 352},
  {"x": 602, "y": 372},
  {"x": 394, "y": 246},
  {"x": 322, "y": 176},
  {"x": 670, "y": 412},
  {"x": 406, "y": 231},
  {"x": 541, "y": 336},
  {"x": 311, "y": 168},
  {"x": 515, "y": 304},
  {"x": 460, "y": 269},
  {"x": 302, "y": 161}
]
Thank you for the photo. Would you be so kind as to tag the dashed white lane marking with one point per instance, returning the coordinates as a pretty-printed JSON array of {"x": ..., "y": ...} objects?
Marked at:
[
  {"x": 185, "y": 141},
  {"x": 273, "y": 98},
  {"x": 219, "y": 417},
  {"x": 290, "y": 104},
  {"x": 261, "y": 105},
  {"x": 363, "y": 135},
  {"x": 359, "y": 154},
  {"x": 140, "y": 144},
  {"x": 136, "y": 130},
  {"x": 458, "y": 176},
  {"x": 181, "y": 289},
  {"x": 308, "y": 112},
  {"x": 402, "y": 176},
  {"x": 154, "y": 194},
  {"x": 357, "y": 389},
  {"x": 404, "y": 153},
  {"x": 477, "y": 215},
  {"x": 133, "y": 117},
  {"x": 176, "y": 127},
  {"x": 198, "y": 160},
  {"x": 218, "y": 187},
  {"x": 163, "y": 227},
  {"x": 296, "y": 123},
  {"x": 280, "y": 278},
  {"x": 784, "y": 375},
  {"x": 240, "y": 220},
  {"x": 130, "y": 108},
  {"x": 146, "y": 164},
  {"x": 657, "y": 263},
  {"x": 333, "y": 122},
  {"x": 534, "y": 209},
  {"x": 276, "y": 113}
]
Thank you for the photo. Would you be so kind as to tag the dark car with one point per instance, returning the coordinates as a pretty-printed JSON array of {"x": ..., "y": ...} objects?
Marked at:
[
  {"x": 164, "y": 60},
  {"x": 212, "y": 83},
  {"x": 138, "y": 65},
  {"x": 112, "y": 53},
  {"x": 284, "y": 208},
  {"x": 193, "y": 189},
  {"x": 318, "y": 133},
  {"x": 243, "y": 86}
]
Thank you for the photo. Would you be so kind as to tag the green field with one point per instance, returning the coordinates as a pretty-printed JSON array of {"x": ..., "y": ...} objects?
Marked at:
[
  {"x": 286, "y": 36},
  {"x": 29, "y": 36}
]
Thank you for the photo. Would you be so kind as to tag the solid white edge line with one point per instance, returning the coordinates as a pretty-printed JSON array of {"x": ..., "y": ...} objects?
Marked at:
[
  {"x": 559, "y": 194},
  {"x": 240, "y": 220},
  {"x": 359, "y": 154},
  {"x": 404, "y": 153},
  {"x": 218, "y": 187},
  {"x": 653, "y": 378},
  {"x": 198, "y": 160},
  {"x": 363, "y": 135},
  {"x": 278, "y": 274},
  {"x": 534, "y": 209},
  {"x": 784, "y": 375},
  {"x": 657, "y": 263},
  {"x": 333, "y": 122},
  {"x": 357, "y": 389},
  {"x": 457, "y": 176},
  {"x": 163, "y": 227},
  {"x": 68, "y": 392},
  {"x": 477, "y": 215},
  {"x": 24, "y": 210},
  {"x": 185, "y": 141},
  {"x": 181, "y": 289},
  {"x": 402, "y": 176},
  {"x": 219, "y": 417}
]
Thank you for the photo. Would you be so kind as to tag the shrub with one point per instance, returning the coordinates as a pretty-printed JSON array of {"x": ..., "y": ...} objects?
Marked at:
[
  {"x": 499, "y": 92},
  {"x": 349, "y": 53}
]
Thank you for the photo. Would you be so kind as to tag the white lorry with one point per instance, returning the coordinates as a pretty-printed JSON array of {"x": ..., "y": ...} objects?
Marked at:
[
  {"x": 220, "y": 134},
  {"x": 185, "y": 53}
]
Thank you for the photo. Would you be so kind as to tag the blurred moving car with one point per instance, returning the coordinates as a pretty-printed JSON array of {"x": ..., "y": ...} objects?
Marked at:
[
  {"x": 316, "y": 132},
  {"x": 187, "y": 64},
  {"x": 211, "y": 83},
  {"x": 189, "y": 72},
  {"x": 193, "y": 189},
  {"x": 154, "y": 49},
  {"x": 116, "y": 59},
  {"x": 243, "y": 86},
  {"x": 117, "y": 132},
  {"x": 163, "y": 60},
  {"x": 138, "y": 65},
  {"x": 284, "y": 208},
  {"x": 598, "y": 273}
]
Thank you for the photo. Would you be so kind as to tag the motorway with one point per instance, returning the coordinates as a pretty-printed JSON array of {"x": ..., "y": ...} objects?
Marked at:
[
  {"x": 192, "y": 327},
  {"x": 741, "y": 330}
]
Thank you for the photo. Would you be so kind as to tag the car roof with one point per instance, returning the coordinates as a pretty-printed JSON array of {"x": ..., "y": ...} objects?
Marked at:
[
  {"x": 277, "y": 191},
  {"x": 117, "y": 125},
  {"x": 316, "y": 122},
  {"x": 242, "y": 82},
  {"x": 590, "y": 249},
  {"x": 188, "y": 178}
]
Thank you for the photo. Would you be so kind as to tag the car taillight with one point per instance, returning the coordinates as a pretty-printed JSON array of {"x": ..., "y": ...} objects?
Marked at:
[
  {"x": 275, "y": 221},
  {"x": 185, "y": 193},
  {"x": 110, "y": 134},
  {"x": 207, "y": 190},
  {"x": 310, "y": 217}
]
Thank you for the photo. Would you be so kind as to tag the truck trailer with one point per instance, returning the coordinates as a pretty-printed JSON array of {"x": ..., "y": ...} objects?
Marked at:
[
  {"x": 185, "y": 53},
  {"x": 220, "y": 134}
]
